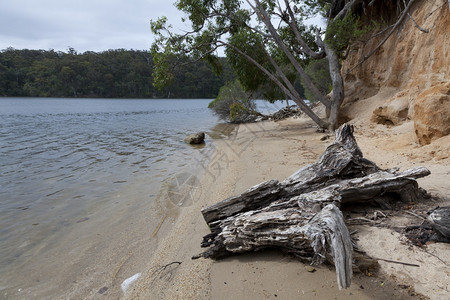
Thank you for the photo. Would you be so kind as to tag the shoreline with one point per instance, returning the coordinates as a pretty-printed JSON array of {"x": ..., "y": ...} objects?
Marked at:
[{"x": 254, "y": 153}]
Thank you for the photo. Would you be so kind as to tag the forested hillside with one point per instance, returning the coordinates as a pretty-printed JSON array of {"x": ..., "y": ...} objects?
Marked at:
[{"x": 110, "y": 74}]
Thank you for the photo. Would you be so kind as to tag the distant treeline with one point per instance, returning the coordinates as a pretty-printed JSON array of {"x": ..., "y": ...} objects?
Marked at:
[{"x": 110, "y": 74}]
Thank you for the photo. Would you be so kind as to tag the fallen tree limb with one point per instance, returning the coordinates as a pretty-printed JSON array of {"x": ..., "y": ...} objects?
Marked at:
[
  {"x": 397, "y": 262},
  {"x": 301, "y": 215}
]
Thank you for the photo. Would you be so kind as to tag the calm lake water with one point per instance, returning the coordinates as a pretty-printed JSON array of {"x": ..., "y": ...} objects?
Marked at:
[
  {"x": 87, "y": 184},
  {"x": 68, "y": 162},
  {"x": 52, "y": 146}
]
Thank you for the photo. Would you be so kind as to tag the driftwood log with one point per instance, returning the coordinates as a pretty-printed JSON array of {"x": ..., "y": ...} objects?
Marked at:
[
  {"x": 301, "y": 214},
  {"x": 285, "y": 112},
  {"x": 440, "y": 220}
]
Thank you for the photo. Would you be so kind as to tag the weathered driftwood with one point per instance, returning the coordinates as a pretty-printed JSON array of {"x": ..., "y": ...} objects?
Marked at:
[
  {"x": 342, "y": 159},
  {"x": 440, "y": 220},
  {"x": 301, "y": 214},
  {"x": 286, "y": 112}
]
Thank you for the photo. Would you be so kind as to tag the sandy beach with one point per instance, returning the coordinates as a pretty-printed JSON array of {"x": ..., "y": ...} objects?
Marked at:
[{"x": 274, "y": 150}]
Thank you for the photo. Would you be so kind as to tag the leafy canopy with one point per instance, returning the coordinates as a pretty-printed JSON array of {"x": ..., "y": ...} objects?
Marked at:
[
  {"x": 234, "y": 26},
  {"x": 264, "y": 41}
]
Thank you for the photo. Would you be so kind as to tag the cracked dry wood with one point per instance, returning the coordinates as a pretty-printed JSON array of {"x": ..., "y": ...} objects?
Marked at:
[{"x": 301, "y": 214}]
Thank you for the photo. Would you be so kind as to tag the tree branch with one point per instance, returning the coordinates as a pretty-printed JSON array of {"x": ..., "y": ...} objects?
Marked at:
[
  {"x": 399, "y": 21},
  {"x": 266, "y": 19},
  {"x": 417, "y": 25},
  {"x": 294, "y": 95},
  {"x": 344, "y": 11},
  {"x": 287, "y": 91},
  {"x": 294, "y": 26},
  {"x": 259, "y": 66}
]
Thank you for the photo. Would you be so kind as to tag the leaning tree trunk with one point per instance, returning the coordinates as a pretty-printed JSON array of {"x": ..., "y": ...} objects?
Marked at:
[
  {"x": 301, "y": 214},
  {"x": 337, "y": 95}
]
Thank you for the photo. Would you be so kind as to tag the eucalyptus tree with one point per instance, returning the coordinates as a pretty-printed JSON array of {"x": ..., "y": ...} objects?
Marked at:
[{"x": 263, "y": 40}]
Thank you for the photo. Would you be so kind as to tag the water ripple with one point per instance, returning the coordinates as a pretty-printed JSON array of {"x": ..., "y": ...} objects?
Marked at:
[{"x": 59, "y": 158}]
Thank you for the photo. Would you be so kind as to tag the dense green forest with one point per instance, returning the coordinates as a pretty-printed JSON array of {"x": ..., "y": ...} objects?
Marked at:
[{"x": 110, "y": 74}]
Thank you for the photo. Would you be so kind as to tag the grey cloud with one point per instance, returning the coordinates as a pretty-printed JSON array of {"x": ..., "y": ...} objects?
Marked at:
[{"x": 84, "y": 25}]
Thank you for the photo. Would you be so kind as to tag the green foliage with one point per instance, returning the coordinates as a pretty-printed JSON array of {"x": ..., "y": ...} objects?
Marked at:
[
  {"x": 215, "y": 24},
  {"x": 341, "y": 32},
  {"x": 110, "y": 74},
  {"x": 233, "y": 103},
  {"x": 307, "y": 33},
  {"x": 238, "y": 112},
  {"x": 319, "y": 72},
  {"x": 266, "y": 44},
  {"x": 249, "y": 74},
  {"x": 161, "y": 75}
]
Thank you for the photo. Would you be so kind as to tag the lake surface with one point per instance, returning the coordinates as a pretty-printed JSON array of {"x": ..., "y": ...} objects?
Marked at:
[
  {"x": 67, "y": 163},
  {"x": 51, "y": 146},
  {"x": 88, "y": 185}
]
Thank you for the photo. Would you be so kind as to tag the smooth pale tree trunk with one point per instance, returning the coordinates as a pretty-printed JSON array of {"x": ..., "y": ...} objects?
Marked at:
[{"x": 337, "y": 95}]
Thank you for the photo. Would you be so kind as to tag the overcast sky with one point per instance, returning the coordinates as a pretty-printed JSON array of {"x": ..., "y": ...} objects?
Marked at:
[{"x": 85, "y": 25}]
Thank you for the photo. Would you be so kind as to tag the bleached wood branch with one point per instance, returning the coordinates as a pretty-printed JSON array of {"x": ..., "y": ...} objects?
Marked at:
[{"x": 301, "y": 214}]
